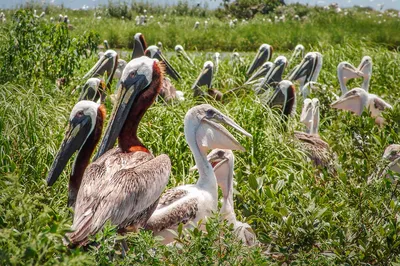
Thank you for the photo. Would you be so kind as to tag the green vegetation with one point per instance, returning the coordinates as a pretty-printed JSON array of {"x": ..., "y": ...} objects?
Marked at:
[{"x": 300, "y": 216}]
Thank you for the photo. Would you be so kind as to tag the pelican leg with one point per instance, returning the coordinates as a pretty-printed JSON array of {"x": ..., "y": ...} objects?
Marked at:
[{"x": 124, "y": 248}]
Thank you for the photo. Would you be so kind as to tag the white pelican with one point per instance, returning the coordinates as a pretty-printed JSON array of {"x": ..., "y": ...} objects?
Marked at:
[
  {"x": 366, "y": 68},
  {"x": 391, "y": 154},
  {"x": 124, "y": 184},
  {"x": 205, "y": 79},
  {"x": 222, "y": 162},
  {"x": 192, "y": 203},
  {"x": 345, "y": 72},
  {"x": 84, "y": 132},
  {"x": 264, "y": 54},
  {"x": 307, "y": 71},
  {"x": 357, "y": 99}
]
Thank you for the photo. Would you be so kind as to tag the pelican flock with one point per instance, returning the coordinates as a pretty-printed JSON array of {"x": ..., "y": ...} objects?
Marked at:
[{"x": 129, "y": 186}]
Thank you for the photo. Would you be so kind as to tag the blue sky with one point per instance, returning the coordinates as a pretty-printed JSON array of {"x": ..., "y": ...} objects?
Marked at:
[{"x": 211, "y": 3}]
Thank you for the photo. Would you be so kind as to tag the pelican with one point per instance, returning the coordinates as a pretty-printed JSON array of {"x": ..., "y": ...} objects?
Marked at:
[
  {"x": 139, "y": 45},
  {"x": 107, "y": 63},
  {"x": 124, "y": 184},
  {"x": 298, "y": 51},
  {"x": 222, "y": 162},
  {"x": 84, "y": 132},
  {"x": 93, "y": 90},
  {"x": 392, "y": 154},
  {"x": 105, "y": 42},
  {"x": 196, "y": 25},
  {"x": 192, "y": 203},
  {"x": 307, "y": 71},
  {"x": 316, "y": 149},
  {"x": 168, "y": 91},
  {"x": 264, "y": 54},
  {"x": 366, "y": 68},
  {"x": 284, "y": 96},
  {"x": 345, "y": 72},
  {"x": 260, "y": 73},
  {"x": 180, "y": 51},
  {"x": 205, "y": 78},
  {"x": 274, "y": 75},
  {"x": 357, "y": 99},
  {"x": 216, "y": 57},
  {"x": 236, "y": 59}
]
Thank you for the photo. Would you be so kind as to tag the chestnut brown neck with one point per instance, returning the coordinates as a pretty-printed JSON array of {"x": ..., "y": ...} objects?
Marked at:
[
  {"x": 83, "y": 157},
  {"x": 291, "y": 98},
  {"x": 127, "y": 139}
]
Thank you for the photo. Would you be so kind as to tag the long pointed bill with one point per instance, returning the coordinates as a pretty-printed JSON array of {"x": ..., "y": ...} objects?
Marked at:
[
  {"x": 168, "y": 67},
  {"x": 74, "y": 138},
  {"x": 302, "y": 70},
  {"x": 92, "y": 91},
  {"x": 138, "y": 49},
  {"x": 108, "y": 62},
  {"x": 129, "y": 91},
  {"x": 228, "y": 121},
  {"x": 261, "y": 72},
  {"x": 205, "y": 78},
  {"x": 262, "y": 56}
]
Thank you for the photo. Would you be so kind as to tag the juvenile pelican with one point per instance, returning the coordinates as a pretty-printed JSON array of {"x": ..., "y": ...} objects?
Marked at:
[
  {"x": 83, "y": 134},
  {"x": 216, "y": 57},
  {"x": 205, "y": 78},
  {"x": 316, "y": 149},
  {"x": 366, "y": 68},
  {"x": 392, "y": 154},
  {"x": 307, "y": 71},
  {"x": 181, "y": 52},
  {"x": 93, "y": 90},
  {"x": 139, "y": 45},
  {"x": 298, "y": 51},
  {"x": 357, "y": 99},
  {"x": 168, "y": 91},
  {"x": 124, "y": 184},
  {"x": 222, "y": 162},
  {"x": 106, "y": 64},
  {"x": 192, "y": 203},
  {"x": 274, "y": 75},
  {"x": 345, "y": 72},
  {"x": 264, "y": 54}
]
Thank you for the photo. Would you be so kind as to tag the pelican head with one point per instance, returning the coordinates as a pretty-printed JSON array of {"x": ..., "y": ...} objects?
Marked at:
[
  {"x": 105, "y": 42},
  {"x": 82, "y": 121},
  {"x": 106, "y": 63},
  {"x": 216, "y": 56},
  {"x": 309, "y": 67},
  {"x": 155, "y": 52},
  {"x": 179, "y": 48},
  {"x": 203, "y": 127},
  {"x": 275, "y": 73},
  {"x": 93, "y": 90},
  {"x": 205, "y": 77},
  {"x": 392, "y": 154},
  {"x": 298, "y": 50},
  {"x": 264, "y": 54},
  {"x": 366, "y": 66},
  {"x": 357, "y": 99},
  {"x": 345, "y": 72},
  {"x": 223, "y": 162},
  {"x": 285, "y": 96},
  {"x": 261, "y": 72},
  {"x": 139, "y": 45},
  {"x": 180, "y": 51},
  {"x": 140, "y": 75},
  {"x": 306, "y": 114}
]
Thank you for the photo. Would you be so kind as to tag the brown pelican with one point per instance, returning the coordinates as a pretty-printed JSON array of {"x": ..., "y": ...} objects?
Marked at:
[
  {"x": 307, "y": 71},
  {"x": 93, "y": 90},
  {"x": 139, "y": 45},
  {"x": 274, "y": 75},
  {"x": 284, "y": 96},
  {"x": 124, "y": 184},
  {"x": 316, "y": 149},
  {"x": 345, "y": 72},
  {"x": 260, "y": 73},
  {"x": 264, "y": 54},
  {"x": 84, "y": 132},
  {"x": 298, "y": 51},
  {"x": 106, "y": 64},
  {"x": 181, "y": 52},
  {"x": 222, "y": 162},
  {"x": 357, "y": 99},
  {"x": 192, "y": 203},
  {"x": 168, "y": 91},
  {"x": 366, "y": 68},
  {"x": 205, "y": 78}
]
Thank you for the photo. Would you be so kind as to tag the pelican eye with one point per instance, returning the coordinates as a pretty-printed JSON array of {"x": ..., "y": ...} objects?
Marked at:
[
  {"x": 221, "y": 154},
  {"x": 393, "y": 152},
  {"x": 79, "y": 114},
  {"x": 210, "y": 113}
]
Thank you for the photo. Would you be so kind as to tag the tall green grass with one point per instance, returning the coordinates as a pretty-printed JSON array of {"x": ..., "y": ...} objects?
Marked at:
[{"x": 300, "y": 215}]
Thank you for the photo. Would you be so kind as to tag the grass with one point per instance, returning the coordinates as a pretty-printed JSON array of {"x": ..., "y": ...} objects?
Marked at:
[{"x": 299, "y": 216}]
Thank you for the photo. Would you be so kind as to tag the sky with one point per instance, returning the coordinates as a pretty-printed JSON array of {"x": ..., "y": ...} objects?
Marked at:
[{"x": 211, "y": 3}]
